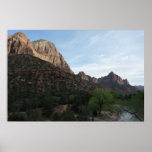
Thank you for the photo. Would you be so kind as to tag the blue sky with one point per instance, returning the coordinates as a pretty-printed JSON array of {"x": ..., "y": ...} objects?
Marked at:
[{"x": 98, "y": 52}]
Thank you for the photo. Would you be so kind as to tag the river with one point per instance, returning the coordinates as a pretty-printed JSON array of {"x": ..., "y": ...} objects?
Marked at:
[{"x": 125, "y": 115}]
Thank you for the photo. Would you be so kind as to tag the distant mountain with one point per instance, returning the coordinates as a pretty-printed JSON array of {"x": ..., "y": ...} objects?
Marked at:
[
  {"x": 111, "y": 82},
  {"x": 111, "y": 79},
  {"x": 45, "y": 50},
  {"x": 115, "y": 82},
  {"x": 140, "y": 87},
  {"x": 87, "y": 77}
]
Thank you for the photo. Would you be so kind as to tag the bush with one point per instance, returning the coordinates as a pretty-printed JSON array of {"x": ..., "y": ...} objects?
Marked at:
[
  {"x": 56, "y": 117},
  {"x": 17, "y": 117},
  {"x": 68, "y": 116},
  {"x": 34, "y": 115}
]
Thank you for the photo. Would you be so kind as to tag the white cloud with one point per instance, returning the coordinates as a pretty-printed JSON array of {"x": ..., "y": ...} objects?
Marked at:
[
  {"x": 124, "y": 58},
  {"x": 101, "y": 52},
  {"x": 132, "y": 72},
  {"x": 101, "y": 55}
]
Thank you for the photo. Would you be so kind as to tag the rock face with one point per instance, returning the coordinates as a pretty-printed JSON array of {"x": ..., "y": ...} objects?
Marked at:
[
  {"x": 116, "y": 83},
  {"x": 84, "y": 76},
  {"x": 110, "y": 82},
  {"x": 87, "y": 77},
  {"x": 126, "y": 82},
  {"x": 19, "y": 44},
  {"x": 45, "y": 50},
  {"x": 112, "y": 79},
  {"x": 109, "y": 79}
]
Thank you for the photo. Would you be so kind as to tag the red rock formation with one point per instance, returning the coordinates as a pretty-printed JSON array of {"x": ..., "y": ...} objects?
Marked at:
[
  {"x": 113, "y": 78},
  {"x": 19, "y": 44},
  {"x": 87, "y": 77},
  {"x": 45, "y": 50}
]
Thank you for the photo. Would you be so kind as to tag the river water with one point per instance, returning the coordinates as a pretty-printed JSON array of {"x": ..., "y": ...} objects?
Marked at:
[{"x": 125, "y": 116}]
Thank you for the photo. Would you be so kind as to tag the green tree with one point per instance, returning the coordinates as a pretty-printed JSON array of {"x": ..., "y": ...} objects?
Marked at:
[
  {"x": 34, "y": 115},
  {"x": 92, "y": 106},
  {"x": 102, "y": 98},
  {"x": 108, "y": 97},
  {"x": 99, "y": 95},
  {"x": 136, "y": 104},
  {"x": 17, "y": 116},
  {"x": 71, "y": 98},
  {"x": 68, "y": 115}
]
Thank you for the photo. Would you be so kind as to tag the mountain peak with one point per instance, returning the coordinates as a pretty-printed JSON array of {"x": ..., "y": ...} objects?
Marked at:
[
  {"x": 81, "y": 73},
  {"x": 87, "y": 77},
  {"x": 83, "y": 76},
  {"x": 19, "y": 43},
  {"x": 114, "y": 76},
  {"x": 43, "y": 49},
  {"x": 111, "y": 73},
  {"x": 20, "y": 35},
  {"x": 40, "y": 40}
]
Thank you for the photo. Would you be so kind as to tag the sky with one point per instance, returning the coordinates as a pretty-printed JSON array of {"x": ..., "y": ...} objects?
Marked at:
[{"x": 98, "y": 52}]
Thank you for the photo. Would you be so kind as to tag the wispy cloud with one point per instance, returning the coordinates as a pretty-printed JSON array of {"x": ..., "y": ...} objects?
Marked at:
[
  {"x": 99, "y": 52},
  {"x": 124, "y": 58},
  {"x": 118, "y": 51}
]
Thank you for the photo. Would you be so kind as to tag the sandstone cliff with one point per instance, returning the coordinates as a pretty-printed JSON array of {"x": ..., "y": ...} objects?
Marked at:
[
  {"x": 45, "y": 50},
  {"x": 87, "y": 77},
  {"x": 19, "y": 44}
]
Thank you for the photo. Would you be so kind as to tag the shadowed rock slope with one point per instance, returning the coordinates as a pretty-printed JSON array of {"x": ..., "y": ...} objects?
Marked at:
[
  {"x": 111, "y": 82},
  {"x": 28, "y": 76}
]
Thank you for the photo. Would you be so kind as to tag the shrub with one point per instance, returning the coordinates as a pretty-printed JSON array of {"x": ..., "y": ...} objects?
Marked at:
[{"x": 17, "y": 117}]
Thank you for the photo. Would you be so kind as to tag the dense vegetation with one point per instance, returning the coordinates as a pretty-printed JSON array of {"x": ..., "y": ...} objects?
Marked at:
[
  {"x": 38, "y": 91},
  {"x": 78, "y": 106}
]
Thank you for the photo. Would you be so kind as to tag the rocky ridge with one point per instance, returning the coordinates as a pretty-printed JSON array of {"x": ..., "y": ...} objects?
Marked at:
[
  {"x": 110, "y": 82},
  {"x": 113, "y": 78},
  {"x": 87, "y": 77},
  {"x": 45, "y": 50}
]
